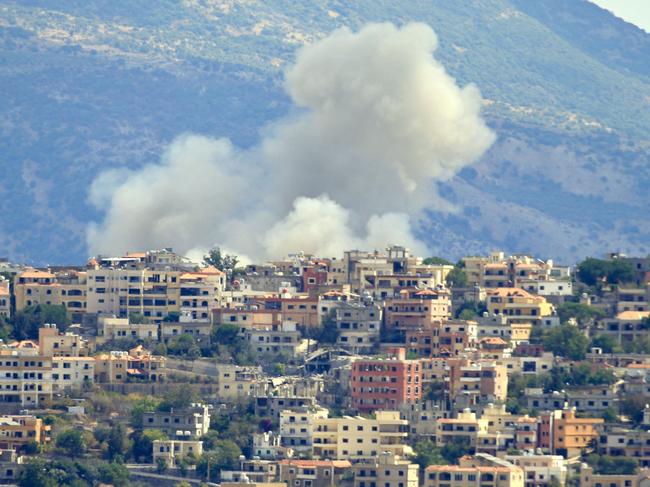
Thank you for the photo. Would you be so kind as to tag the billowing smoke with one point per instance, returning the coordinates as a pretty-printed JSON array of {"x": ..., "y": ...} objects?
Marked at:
[{"x": 378, "y": 121}]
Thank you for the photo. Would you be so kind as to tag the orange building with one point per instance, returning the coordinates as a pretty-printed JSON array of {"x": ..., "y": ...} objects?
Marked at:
[
  {"x": 570, "y": 434},
  {"x": 18, "y": 430},
  {"x": 416, "y": 309},
  {"x": 385, "y": 384}
]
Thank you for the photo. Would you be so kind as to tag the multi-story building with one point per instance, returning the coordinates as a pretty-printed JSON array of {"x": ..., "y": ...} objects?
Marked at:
[
  {"x": 253, "y": 472},
  {"x": 268, "y": 446},
  {"x": 112, "y": 328},
  {"x": 297, "y": 427},
  {"x": 386, "y": 471},
  {"x": 465, "y": 428},
  {"x": 357, "y": 438},
  {"x": 67, "y": 288},
  {"x": 72, "y": 373},
  {"x": 25, "y": 376},
  {"x": 518, "y": 305},
  {"x": 626, "y": 327},
  {"x": 625, "y": 442},
  {"x": 416, "y": 309},
  {"x": 51, "y": 343},
  {"x": 174, "y": 451},
  {"x": 589, "y": 399},
  {"x": 569, "y": 434},
  {"x": 17, "y": 431},
  {"x": 237, "y": 382},
  {"x": 5, "y": 297},
  {"x": 473, "y": 472},
  {"x": 186, "y": 423},
  {"x": 633, "y": 299},
  {"x": 138, "y": 363},
  {"x": 590, "y": 479},
  {"x": 541, "y": 470},
  {"x": 275, "y": 339},
  {"x": 200, "y": 292},
  {"x": 385, "y": 384},
  {"x": 201, "y": 331},
  {"x": 313, "y": 473},
  {"x": 358, "y": 325},
  {"x": 476, "y": 381}
]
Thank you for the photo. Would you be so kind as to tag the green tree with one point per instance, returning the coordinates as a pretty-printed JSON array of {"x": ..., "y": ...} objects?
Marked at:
[
  {"x": 426, "y": 453},
  {"x": 632, "y": 407},
  {"x": 585, "y": 315},
  {"x": 143, "y": 444},
  {"x": 609, "y": 415},
  {"x": 27, "y": 321},
  {"x": 161, "y": 465},
  {"x": 224, "y": 262},
  {"x": 607, "y": 343},
  {"x": 72, "y": 441},
  {"x": 609, "y": 465},
  {"x": 567, "y": 341},
  {"x": 224, "y": 456},
  {"x": 114, "y": 474},
  {"x": 456, "y": 278},
  {"x": 34, "y": 474},
  {"x": 436, "y": 261},
  {"x": 452, "y": 451},
  {"x": 118, "y": 443},
  {"x": 470, "y": 310},
  {"x": 139, "y": 319},
  {"x": 178, "y": 397},
  {"x": 141, "y": 406},
  {"x": 594, "y": 272},
  {"x": 329, "y": 332}
]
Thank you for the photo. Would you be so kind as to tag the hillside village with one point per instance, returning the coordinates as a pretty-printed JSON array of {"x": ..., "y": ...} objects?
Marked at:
[{"x": 373, "y": 369}]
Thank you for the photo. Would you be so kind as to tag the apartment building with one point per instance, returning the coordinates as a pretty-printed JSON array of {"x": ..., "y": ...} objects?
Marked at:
[
  {"x": 517, "y": 305},
  {"x": 626, "y": 442},
  {"x": 386, "y": 471},
  {"x": 385, "y": 384},
  {"x": 477, "y": 381},
  {"x": 116, "y": 367},
  {"x": 591, "y": 399},
  {"x": 112, "y": 328},
  {"x": 466, "y": 427},
  {"x": 590, "y": 479},
  {"x": 67, "y": 288},
  {"x": 384, "y": 286},
  {"x": 186, "y": 423},
  {"x": 276, "y": 339},
  {"x": 268, "y": 446},
  {"x": 633, "y": 299},
  {"x": 471, "y": 472},
  {"x": 16, "y": 431},
  {"x": 173, "y": 451},
  {"x": 297, "y": 427},
  {"x": 358, "y": 325},
  {"x": 312, "y": 473},
  {"x": 201, "y": 331},
  {"x": 357, "y": 438},
  {"x": 569, "y": 434},
  {"x": 51, "y": 343},
  {"x": 541, "y": 470},
  {"x": 237, "y": 382},
  {"x": 5, "y": 297},
  {"x": 626, "y": 327},
  {"x": 201, "y": 291},
  {"x": 497, "y": 270},
  {"x": 25, "y": 377},
  {"x": 72, "y": 373},
  {"x": 416, "y": 309},
  {"x": 253, "y": 472}
]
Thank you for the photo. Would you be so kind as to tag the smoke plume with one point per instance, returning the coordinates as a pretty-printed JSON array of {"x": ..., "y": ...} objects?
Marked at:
[{"x": 377, "y": 122}]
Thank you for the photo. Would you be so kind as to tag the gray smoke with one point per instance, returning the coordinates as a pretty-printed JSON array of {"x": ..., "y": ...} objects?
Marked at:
[{"x": 379, "y": 121}]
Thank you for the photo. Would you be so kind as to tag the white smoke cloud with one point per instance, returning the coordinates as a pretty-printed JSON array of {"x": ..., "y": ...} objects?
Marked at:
[{"x": 379, "y": 122}]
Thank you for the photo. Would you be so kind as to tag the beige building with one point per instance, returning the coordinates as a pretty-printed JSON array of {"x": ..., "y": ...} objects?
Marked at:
[
  {"x": 297, "y": 427},
  {"x": 589, "y": 479},
  {"x": 276, "y": 339},
  {"x": 473, "y": 472},
  {"x": 51, "y": 343},
  {"x": 67, "y": 288},
  {"x": 137, "y": 364},
  {"x": 386, "y": 471},
  {"x": 357, "y": 438},
  {"x": 72, "y": 373},
  {"x": 25, "y": 377},
  {"x": 237, "y": 382},
  {"x": 5, "y": 298},
  {"x": 417, "y": 309},
  {"x": 541, "y": 470},
  {"x": 626, "y": 327},
  {"x": 119, "y": 328},
  {"x": 18, "y": 430},
  {"x": 517, "y": 305},
  {"x": 190, "y": 422},
  {"x": 312, "y": 473},
  {"x": 173, "y": 451}
]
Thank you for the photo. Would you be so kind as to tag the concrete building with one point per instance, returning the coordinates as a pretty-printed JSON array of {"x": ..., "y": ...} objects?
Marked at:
[
  {"x": 112, "y": 328},
  {"x": 51, "y": 343},
  {"x": 517, "y": 305},
  {"x": 358, "y": 325},
  {"x": 117, "y": 367},
  {"x": 297, "y": 428},
  {"x": 72, "y": 373},
  {"x": 477, "y": 381},
  {"x": 473, "y": 472},
  {"x": 385, "y": 384},
  {"x": 237, "y": 382},
  {"x": 569, "y": 434},
  {"x": 541, "y": 470},
  {"x": 5, "y": 298},
  {"x": 17, "y": 431},
  {"x": 626, "y": 327},
  {"x": 25, "y": 377},
  {"x": 268, "y": 446},
  {"x": 416, "y": 309},
  {"x": 201, "y": 331},
  {"x": 173, "y": 451},
  {"x": 253, "y": 472},
  {"x": 590, "y": 479},
  {"x": 276, "y": 339},
  {"x": 312, "y": 473},
  {"x": 67, "y": 288},
  {"x": 386, "y": 471},
  {"x": 191, "y": 422},
  {"x": 357, "y": 438}
]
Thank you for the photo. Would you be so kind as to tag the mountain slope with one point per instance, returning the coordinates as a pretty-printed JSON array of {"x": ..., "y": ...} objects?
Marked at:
[{"x": 91, "y": 85}]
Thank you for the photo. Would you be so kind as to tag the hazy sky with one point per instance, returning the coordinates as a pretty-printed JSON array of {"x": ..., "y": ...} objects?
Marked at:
[{"x": 633, "y": 11}]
